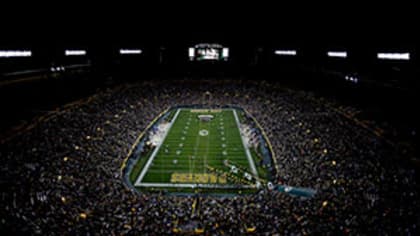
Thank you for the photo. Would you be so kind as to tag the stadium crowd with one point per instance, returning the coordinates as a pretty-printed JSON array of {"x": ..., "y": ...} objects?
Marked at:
[{"x": 63, "y": 176}]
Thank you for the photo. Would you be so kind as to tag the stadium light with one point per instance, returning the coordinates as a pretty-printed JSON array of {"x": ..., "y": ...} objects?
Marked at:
[
  {"x": 342, "y": 54},
  {"x": 286, "y": 52},
  {"x": 75, "y": 52},
  {"x": 394, "y": 56},
  {"x": 130, "y": 51},
  {"x": 191, "y": 52},
  {"x": 8, "y": 53},
  {"x": 225, "y": 52}
]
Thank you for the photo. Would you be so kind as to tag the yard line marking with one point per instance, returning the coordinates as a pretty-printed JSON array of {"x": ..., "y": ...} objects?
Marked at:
[{"x": 207, "y": 146}]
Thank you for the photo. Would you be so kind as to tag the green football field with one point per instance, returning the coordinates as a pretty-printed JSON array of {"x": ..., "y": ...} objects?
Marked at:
[{"x": 193, "y": 152}]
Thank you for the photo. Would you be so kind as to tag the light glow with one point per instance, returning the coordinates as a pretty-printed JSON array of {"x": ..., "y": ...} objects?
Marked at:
[
  {"x": 337, "y": 54},
  {"x": 225, "y": 52},
  {"x": 286, "y": 52},
  {"x": 75, "y": 52},
  {"x": 130, "y": 51},
  {"x": 394, "y": 56},
  {"x": 15, "y": 53},
  {"x": 191, "y": 52}
]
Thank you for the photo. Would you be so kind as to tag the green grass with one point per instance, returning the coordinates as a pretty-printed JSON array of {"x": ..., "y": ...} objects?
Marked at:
[
  {"x": 262, "y": 172},
  {"x": 184, "y": 151},
  {"x": 197, "y": 151},
  {"x": 139, "y": 166},
  {"x": 209, "y": 191}
]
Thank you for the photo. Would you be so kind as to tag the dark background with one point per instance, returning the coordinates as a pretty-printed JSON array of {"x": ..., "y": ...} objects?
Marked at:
[{"x": 387, "y": 90}]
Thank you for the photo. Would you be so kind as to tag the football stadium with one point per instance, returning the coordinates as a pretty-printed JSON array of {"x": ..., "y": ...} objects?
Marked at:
[
  {"x": 208, "y": 132},
  {"x": 217, "y": 152}
]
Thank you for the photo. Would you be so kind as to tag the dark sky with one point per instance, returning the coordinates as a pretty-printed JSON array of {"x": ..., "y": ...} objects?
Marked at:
[{"x": 359, "y": 26}]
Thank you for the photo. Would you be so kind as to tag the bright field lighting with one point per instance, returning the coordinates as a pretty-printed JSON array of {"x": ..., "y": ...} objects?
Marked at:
[
  {"x": 337, "y": 54},
  {"x": 130, "y": 51},
  {"x": 394, "y": 56},
  {"x": 225, "y": 52},
  {"x": 285, "y": 52},
  {"x": 191, "y": 52},
  {"x": 15, "y": 53},
  {"x": 75, "y": 52}
]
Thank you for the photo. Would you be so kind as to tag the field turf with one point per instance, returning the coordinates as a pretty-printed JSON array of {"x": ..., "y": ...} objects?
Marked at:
[{"x": 192, "y": 146}]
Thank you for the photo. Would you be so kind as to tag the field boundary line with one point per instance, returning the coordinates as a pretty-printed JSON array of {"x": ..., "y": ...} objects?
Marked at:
[
  {"x": 248, "y": 154},
  {"x": 149, "y": 162},
  {"x": 217, "y": 186}
]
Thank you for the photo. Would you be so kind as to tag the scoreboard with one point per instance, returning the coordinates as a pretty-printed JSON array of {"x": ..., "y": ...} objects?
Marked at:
[{"x": 208, "y": 52}]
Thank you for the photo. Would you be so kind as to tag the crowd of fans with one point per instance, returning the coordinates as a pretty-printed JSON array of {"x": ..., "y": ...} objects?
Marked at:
[{"x": 63, "y": 177}]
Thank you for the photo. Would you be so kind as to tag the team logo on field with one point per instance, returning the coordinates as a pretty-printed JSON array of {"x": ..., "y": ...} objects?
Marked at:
[{"x": 203, "y": 132}]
